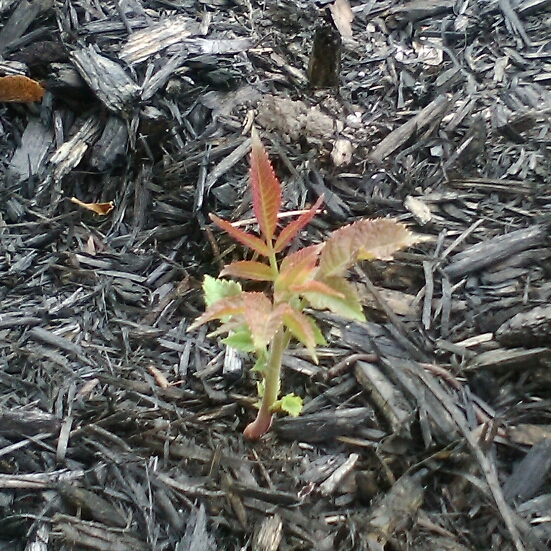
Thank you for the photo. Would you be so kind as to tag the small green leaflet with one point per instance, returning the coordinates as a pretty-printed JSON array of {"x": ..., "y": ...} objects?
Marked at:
[
  {"x": 290, "y": 404},
  {"x": 215, "y": 289}
]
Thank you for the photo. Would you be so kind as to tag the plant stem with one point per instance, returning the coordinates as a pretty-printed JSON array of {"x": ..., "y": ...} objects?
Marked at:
[
  {"x": 272, "y": 371},
  {"x": 273, "y": 264}
]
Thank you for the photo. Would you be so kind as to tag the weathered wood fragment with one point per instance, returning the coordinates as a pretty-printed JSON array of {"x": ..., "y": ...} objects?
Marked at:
[
  {"x": 532, "y": 328},
  {"x": 529, "y": 474},
  {"x": 321, "y": 427},
  {"x": 147, "y": 42},
  {"x": 515, "y": 358},
  {"x": 71, "y": 152},
  {"x": 427, "y": 116},
  {"x": 268, "y": 534},
  {"x": 24, "y": 15},
  {"x": 389, "y": 399},
  {"x": 111, "y": 146},
  {"x": 108, "y": 80},
  {"x": 496, "y": 249},
  {"x": 30, "y": 157}
]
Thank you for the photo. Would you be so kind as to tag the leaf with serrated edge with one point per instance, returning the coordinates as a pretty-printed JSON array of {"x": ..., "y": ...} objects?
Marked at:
[
  {"x": 240, "y": 340},
  {"x": 289, "y": 231},
  {"x": 298, "y": 267},
  {"x": 382, "y": 237},
  {"x": 349, "y": 306},
  {"x": 260, "y": 364},
  {"x": 229, "y": 306},
  {"x": 247, "y": 239},
  {"x": 362, "y": 240},
  {"x": 290, "y": 404},
  {"x": 262, "y": 320},
  {"x": 249, "y": 269},
  {"x": 340, "y": 251},
  {"x": 300, "y": 328},
  {"x": 215, "y": 289},
  {"x": 320, "y": 339},
  {"x": 265, "y": 188},
  {"x": 314, "y": 286}
]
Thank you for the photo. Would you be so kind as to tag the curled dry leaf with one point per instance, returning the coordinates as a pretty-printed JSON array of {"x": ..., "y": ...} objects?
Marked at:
[
  {"x": 99, "y": 208},
  {"x": 20, "y": 89},
  {"x": 159, "y": 377}
]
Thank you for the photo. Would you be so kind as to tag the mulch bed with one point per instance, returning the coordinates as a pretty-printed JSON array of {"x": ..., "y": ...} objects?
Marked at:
[{"x": 427, "y": 427}]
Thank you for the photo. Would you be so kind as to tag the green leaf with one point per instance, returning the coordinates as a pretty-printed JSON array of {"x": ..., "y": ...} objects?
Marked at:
[
  {"x": 215, "y": 289},
  {"x": 260, "y": 387},
  {"x": 290, "y": 404},
  {"x": 265, "y": 187},
  {"x": 289, "y": 231},
  {"x": 348, "y": 306},
  {"x": 260, "y": 364},
  {"x": 249, "y": 269},
  {"x": 247, "y": 239},
  {"x": 318, "y": 335},
  {"x": 240, "y": 340}
]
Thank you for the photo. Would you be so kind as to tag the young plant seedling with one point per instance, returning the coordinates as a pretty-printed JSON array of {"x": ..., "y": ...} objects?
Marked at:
[{"x": 263, "y": 323}]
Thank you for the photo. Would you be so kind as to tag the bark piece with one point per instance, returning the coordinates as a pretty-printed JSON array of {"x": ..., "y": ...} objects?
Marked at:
[
  {"x": 494, "y": 250},
  {"x": 108, "y": 80},
  {"x": 530, "y": 474},
  {"x": 31, "y": 155},
  {"x": 527, "y": 329},
  {"x": 321, "y": 427},
  {"x": 427, "y": 116},
  {"x": 111, "y": 146}
]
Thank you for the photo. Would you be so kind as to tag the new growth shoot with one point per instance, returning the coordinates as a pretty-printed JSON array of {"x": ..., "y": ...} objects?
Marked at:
[{"x": 263, "y": 323}]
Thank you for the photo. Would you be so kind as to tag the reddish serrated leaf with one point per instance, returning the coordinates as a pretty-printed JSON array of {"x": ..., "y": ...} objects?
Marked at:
[
  {"x": 347, "y": 304},
  {"x": 249, "y": 269},
  {"x": 382, "y": 237},
  {"x": 288, "y": 232},
  {"x": 262, "y": 320},
  {"x": 318, "y": 287},
  {"x": 265, "y": 187},
  {"x": 364, "y": 239},
  {"x": 300, "y": 328},
  {"x": 340, "y": 251},
  {"x": 229, "y": 306},
  {"x": 247, "y": 239},
  {"x": 303, "y": 258},
  {"x": 297, "y": 268}
]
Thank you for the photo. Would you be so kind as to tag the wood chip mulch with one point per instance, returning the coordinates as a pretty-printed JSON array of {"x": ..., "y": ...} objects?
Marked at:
[{"x": 427, "y": 427}]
